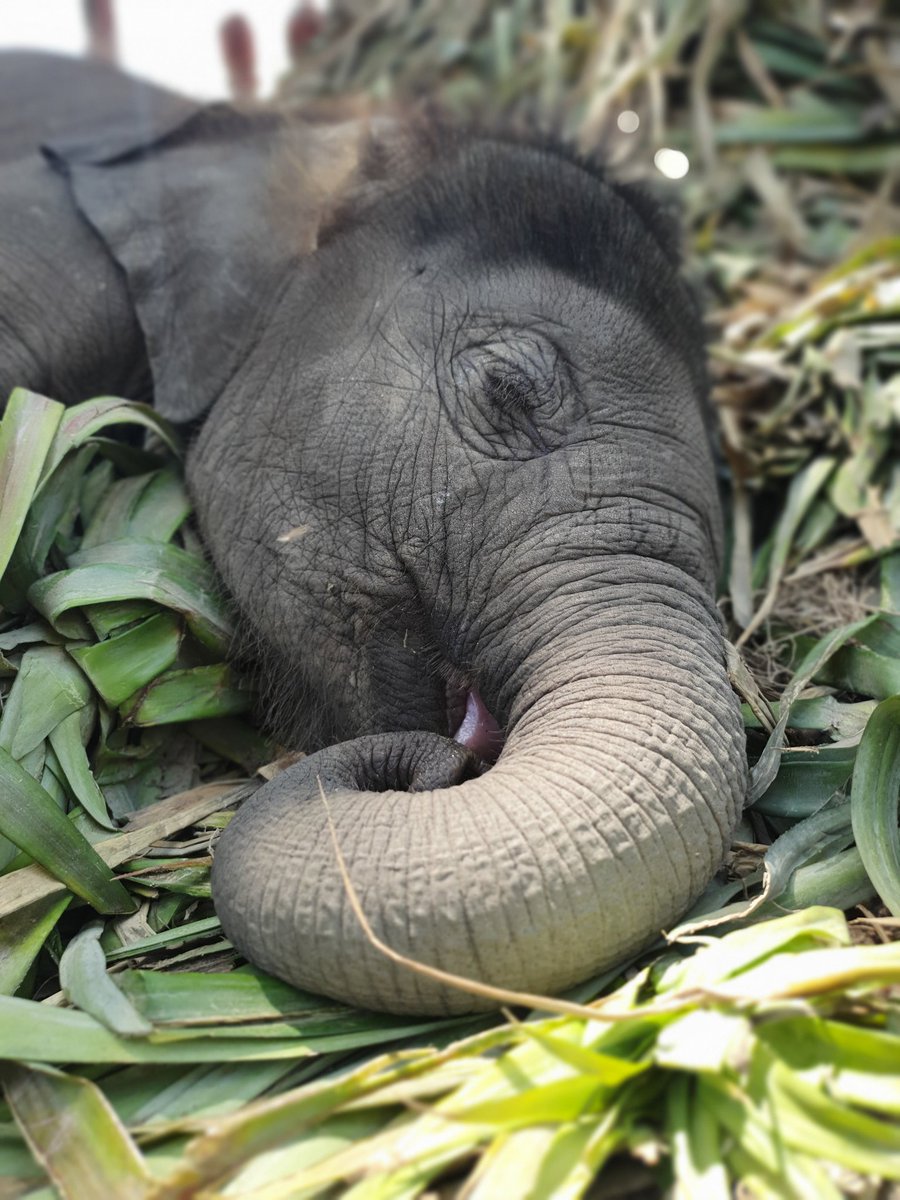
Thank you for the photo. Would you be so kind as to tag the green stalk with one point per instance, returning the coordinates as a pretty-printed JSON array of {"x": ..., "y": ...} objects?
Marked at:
[
  {"x": 31, "y": 820},
  {"x": 26, "y": 434},
  {"x": 873, "y": 801}
]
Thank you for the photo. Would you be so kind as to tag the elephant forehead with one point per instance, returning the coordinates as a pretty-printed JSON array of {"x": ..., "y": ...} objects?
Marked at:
[
  {"x": 614, "y": 334},
  {"x": 424, "y": 343}
]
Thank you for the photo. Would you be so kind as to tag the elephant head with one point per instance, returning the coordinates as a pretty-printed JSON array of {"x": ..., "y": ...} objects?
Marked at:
[{"x": 453, "y": 467}]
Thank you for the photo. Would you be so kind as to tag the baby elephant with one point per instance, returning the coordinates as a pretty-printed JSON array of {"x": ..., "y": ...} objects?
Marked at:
[{"x": 451, "y": 463}]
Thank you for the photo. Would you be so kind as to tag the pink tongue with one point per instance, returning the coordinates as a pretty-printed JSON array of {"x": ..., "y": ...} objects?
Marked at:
[{"x": 479, "y": 731}]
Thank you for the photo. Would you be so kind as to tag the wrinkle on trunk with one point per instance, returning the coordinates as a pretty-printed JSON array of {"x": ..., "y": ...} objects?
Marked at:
[{"x": 607, "y": 814}]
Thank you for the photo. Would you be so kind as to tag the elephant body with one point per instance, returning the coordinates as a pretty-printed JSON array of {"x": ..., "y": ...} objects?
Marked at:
[{"x": 451, "y": 462}]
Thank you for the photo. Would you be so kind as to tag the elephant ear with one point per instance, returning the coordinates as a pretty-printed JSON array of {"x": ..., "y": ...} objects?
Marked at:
[{"x": 207, "y": 215}]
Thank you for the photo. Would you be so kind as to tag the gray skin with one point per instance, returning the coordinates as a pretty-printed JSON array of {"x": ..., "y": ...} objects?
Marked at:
[{"x": 451, "y": 443}]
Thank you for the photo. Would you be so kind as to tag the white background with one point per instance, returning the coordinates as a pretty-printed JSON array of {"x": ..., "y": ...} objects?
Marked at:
[{"x": 173, "y": 42}]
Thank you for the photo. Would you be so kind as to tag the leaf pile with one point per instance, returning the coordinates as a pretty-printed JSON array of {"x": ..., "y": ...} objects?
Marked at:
[
  {"x": 811, "y": 85},
  {"x": 771, "y": 1057},
  {"x": 112, "y": 630}
]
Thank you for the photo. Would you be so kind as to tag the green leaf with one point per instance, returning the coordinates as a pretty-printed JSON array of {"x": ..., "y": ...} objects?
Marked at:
[
  {"x": 18, "y": 1169},
  {"x": 56, "y": 595},
  {"x": 83, "y": 421},
  {"x": 758, "y": 1154},
  {"x": 605, "y": 1068},
  {"x": 407, "y": 1181},
  {"x": 22, "y": 937},
  {"x": 94, "y": 485},
  {"x": 806, "y": 780},
  {"x": 310, "y": 1148},
  {"x": 766, "y": 768},
  {"x": 26, "y": 437},
  {"x": 703, "y": 1040},
  {"x": 890, "y": 582},
  {"x": 67, "y": 740},
  {"x": 808, "y": 1118},
  {"x": 860, "y": 669},
  {"x": 186, "y": 881},
  {"x": 47, "y": 689},
  {"x": 561, "y": 1100},
  {"x": 790, "y": 50},
  {"x": 578, "y": 1154},
  {"x": 278, "y": 1120},
  {"x": 816, "y": 972},
  {"x": 873, "y": 801},
  {"x": 750, "y": 1127},
  {"x": 796, "y": 1175},
  {"x": 24, "y": 635},
  {"x": 552, "y": 1160},
  {"x": 818, "y": 835},
  {"x": 840, "y": 880},
  {"x": 51, "y": 516},
  {"x": 161, "y": 509},
  {"x": 190, "y": 694},
  {"x": 883, "y": 636},
  {"x": 696, "y": 1140},
  {"x": 817, "y": 526},
  {"x": 150, "y": 556},
  {"x": 75, "y": 1135},
  {"x": 236, "y": 741},
  {"x": 155, "y": 1096},
  {"x": 45, "y": 1033},
  {"x": 839, "y": 160},
  {"x": 83, "y": 978},
  {"x": 804, "y": 488},
  {"x": 113, "y": 617},
  {"x": 149, "y": 506},
  {"x": 122, "y": 664},
  {"x": 198, "y": 998},
  {"x": 809, "y": 119},
  {"x": 167, "y": 937},
  {"x": 32, "y": 821},
  {"x": 740, "y": 951},
  {"x": 809, "y": 1043}
]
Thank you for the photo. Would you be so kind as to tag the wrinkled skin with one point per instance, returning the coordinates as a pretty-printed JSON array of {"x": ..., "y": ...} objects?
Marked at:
[{"x": 452, "y": 465}]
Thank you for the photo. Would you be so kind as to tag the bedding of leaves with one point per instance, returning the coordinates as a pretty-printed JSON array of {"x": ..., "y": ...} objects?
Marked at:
[{"x": 759, "y": 1048}]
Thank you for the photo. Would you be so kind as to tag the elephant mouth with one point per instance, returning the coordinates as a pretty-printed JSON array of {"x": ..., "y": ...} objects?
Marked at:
[{"x": 472, "y": 724}]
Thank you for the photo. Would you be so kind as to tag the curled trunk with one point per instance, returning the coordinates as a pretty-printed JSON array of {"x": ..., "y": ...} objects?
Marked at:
[{"x": 608, "y": 812}]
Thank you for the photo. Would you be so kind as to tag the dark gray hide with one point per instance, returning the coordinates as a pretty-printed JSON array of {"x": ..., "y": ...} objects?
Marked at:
[{"x": 456, "y": 476}]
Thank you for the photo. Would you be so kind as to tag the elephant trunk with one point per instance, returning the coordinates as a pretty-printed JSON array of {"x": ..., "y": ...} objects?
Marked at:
[{"x": 606, "y": 815}]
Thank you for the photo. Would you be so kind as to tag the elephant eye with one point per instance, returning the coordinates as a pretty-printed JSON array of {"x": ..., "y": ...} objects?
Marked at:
[
  {"x": 511, "y": 395},
  {"x": 521, "y": 375}
]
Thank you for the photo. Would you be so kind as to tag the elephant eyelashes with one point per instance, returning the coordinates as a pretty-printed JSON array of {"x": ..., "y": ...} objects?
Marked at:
[
  {"x": 514, "y": 394},
  {"x": 511, "y": 393}
]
